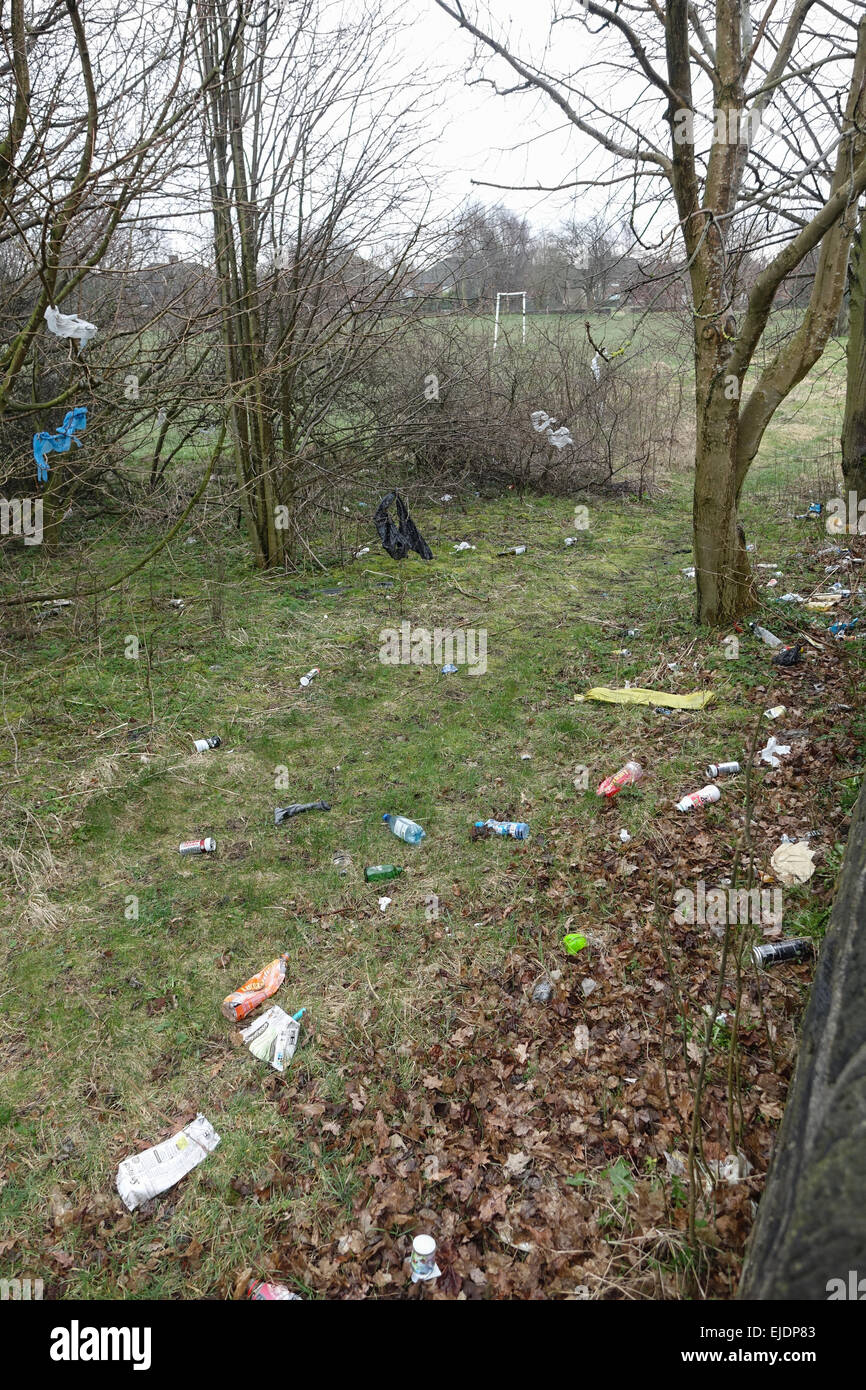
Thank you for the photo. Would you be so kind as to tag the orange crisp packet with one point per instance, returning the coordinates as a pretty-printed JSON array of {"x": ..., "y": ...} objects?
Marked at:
[{"x": 256, "y": 990}]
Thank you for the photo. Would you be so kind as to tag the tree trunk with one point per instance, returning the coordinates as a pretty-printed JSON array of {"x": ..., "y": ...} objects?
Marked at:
[
  {"x": 854, "y": 425},
  {"x": 811, "y": 1225},
  {"x": 721, "y": 563}
]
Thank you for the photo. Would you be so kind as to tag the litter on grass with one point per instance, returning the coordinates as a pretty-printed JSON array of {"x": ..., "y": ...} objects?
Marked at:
[
  {"x": 147, "y": 1174},
  {"x": 255, "y": 990},
  {"x": 463, "y": 545},
  {"x": 400, "y": 537},
  {"x": 282, "y": 813},
  {"x": 775, "y": 711},
  {"x": 635, "y": 695},
  {"x": 704, "y": 797},
  {"x": 793, "y": 863},
  {"x": 423, "y": 1266},
  {"x": 774, "y": 752},
  {"x": 274, "y": 1037},
  {"x": 627, "y": 776},
  {"x": 573, "y": 942}
]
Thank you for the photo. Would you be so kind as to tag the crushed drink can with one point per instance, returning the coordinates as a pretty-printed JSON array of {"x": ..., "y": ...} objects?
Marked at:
[
  {"x": 310, "y": 676},
  {"x": 258, "y": 1289},
  {"x": 775, "y": 952},
  {"x": 206, "y": 846},
  {"x": 626, "y": 777},
  {"x": 721, "y": 769},
  {"x": 203, "y": 745},
  {"x": 700, "y": 798},
  {"x": 775, "y": 711},
  {"x": 423, "y": 1266}
]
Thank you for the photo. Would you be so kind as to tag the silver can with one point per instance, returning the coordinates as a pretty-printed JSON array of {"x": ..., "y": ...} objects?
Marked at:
[{"x": 775, "y": 952}]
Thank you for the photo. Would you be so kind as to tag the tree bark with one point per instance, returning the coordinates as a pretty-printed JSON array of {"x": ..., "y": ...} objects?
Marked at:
[
  {"x": 854, "y": 424},
  {"x": 811, "y": 1223}
]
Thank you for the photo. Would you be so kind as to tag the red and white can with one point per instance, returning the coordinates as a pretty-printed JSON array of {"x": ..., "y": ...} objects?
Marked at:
[
  {"x": 701, "y": 798},
  {"x": 206, "y": 846}
]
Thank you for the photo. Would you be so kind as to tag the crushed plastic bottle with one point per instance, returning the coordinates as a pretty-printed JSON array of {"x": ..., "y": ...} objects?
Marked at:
[
  {"x": 255, "y": 990},
  {"x": 627, "y": 776},
  {"x": 404, "y": 828},
  {"x": 516, "y": 829}
]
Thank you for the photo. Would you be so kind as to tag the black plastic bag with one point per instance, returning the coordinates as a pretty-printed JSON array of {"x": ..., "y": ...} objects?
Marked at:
[
  {"x": 400, "y": 539},
  {"x": 297, "y": 807}
]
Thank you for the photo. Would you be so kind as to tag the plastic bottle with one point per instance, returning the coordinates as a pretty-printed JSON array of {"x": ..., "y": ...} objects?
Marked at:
[
  {"x": 517, "y": 829},
  {"x": 404, "y": 828},
  {"x": 768, "y": 637},
  {"x": 255, "y": 991},
  {"x": 701, "y": 798},
  {"x": 207, "y": 846},
  {"x": 629, "y": 774},
  {"x": 377, "y": 873},
  {"x": 202, "y": 745},
  {"x": 720, "y": 769}
]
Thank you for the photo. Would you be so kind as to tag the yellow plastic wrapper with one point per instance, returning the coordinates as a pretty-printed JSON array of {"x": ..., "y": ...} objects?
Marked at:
[
  {"x": 637, "y": 696},
  {"x": 573, "y": 942}
]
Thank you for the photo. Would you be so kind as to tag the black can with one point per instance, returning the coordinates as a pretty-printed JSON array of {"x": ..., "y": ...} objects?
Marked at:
[{"x": 774, "y": 952}]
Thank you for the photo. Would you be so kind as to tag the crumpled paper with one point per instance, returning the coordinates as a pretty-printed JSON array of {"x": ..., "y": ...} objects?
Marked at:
[
  {"x": 774, "y": 752},
  {"x": 273, "y": 1037},
  {"x": 793, "y": 863},
  {"x": 70, "y": 326},
  {"x": 635, "y": 695}
]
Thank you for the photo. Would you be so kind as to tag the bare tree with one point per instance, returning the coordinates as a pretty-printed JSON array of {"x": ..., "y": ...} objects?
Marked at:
[
  {"x": 793, "y": 187},
  {"x": 854, "y": 425}
]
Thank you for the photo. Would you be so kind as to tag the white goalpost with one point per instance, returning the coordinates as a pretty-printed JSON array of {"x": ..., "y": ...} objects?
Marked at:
[{"x": 509, "y": 294}]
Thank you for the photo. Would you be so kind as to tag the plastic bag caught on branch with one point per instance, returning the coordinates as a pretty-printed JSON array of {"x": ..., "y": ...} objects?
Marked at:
[
  {"x": 399, "y": 539},
  {"x": 560, "y": 438},
  {"x": 70, "y": 326}
]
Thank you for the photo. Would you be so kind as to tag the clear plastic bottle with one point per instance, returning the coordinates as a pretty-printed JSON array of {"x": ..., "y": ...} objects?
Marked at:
[
  {"x": 517, "y": 829},
  {"x": 769, "y": 638},
  {"x": 404, "y": 828}
]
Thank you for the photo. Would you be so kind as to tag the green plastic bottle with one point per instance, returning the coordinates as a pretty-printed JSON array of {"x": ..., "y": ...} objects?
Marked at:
[{"x": 377, "y": 873}]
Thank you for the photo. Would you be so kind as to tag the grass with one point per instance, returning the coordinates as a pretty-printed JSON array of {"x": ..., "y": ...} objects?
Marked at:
[{"x": 118, "y": 951}]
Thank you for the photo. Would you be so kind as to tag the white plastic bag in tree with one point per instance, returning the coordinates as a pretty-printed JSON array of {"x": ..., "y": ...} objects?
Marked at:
[
  {"x": 147, "y": 1174},
  {"x": 70, "y": 326},
  {"x": 595, "y": 367},
  {"x": 560, "y": 438},
  {"x": 540, "y": 420}
]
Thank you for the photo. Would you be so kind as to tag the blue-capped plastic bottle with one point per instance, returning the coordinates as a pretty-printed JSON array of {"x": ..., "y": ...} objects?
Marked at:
[
  {"x": 517, "y": 829},
  {"x": 404, "y": 828}
]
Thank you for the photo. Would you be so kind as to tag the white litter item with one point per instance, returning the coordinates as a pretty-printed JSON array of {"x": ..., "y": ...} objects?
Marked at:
[
  {"x": 384, "y": 903},
  {"x": 775, "y": 711},
  {"x": 463, "y": 545},
  {"x": 365, "y": 550},
  {"x": 70, "y": 326},
  {"x": 571, "y": 540},
  {"x": 273, "y": 1037},
  {"x": 791, "y": 598},
  {"x": 147, "y": 1174},
  {"x": 540, "y": 420},
  {"x": 704, "y": 797},
  {"x": 689, "y": 572},
  {"x": 774, "y": 752},
  {"x": 446, "y": 497},
  {"x": 624, "y": 836},
  {"x": 560, "y": 438},
  {"x": 311, "y": 675},
  {"x": 595, "y": 367},
  {"x": 793, "y": 863}
]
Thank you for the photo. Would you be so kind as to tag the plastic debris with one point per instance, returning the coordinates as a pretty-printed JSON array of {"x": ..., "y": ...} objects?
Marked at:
[
  {"x": 543, "y": 992},
  {"x": 155, "y": 1170},
  {"x": 561, "y": 438},
  {"x": 70, "y": 326},
  {"x": 793, "y": 863},
  {"x": 449, "y": 670},
  {"x": 627, "y": 776},
  {"x": 384, "y": 904},
  {"x": 570, "y": 540},
  {"x": 790, "y": 598},
  {"x": 636, "y": 695},
  {"x": 595, "y": 367},
  {"x": 359, "y": 554},
  {"x": 258, "y": 1289},
  {"x": 789, "y": 656},
  {"x": 423, "y": 1266},
  {"x": 573, "y": 942},
  {"x": 513, "y": 829},
  {"x": 310, "y": 676},
  {"x": 463, "y": 545},
  {"x": 624, "y": 836},
  {"x": 774, "y": 752},
  {"x": 446, "y": 497},
  {"x": 399, "y": 539},
  {"x": 704, "y": 797},
  {"x": 203, "y": 745},
  {"x": 58, "y": 441},
  {"x": 839, "y": 629},
  {"x": 274, "y": 1037},
  {"x": 341, "y": 861},
  {"x": 769, "y": 638},
  {"x": 255, "y": 990},
  {"x": 282, "y": 813},
  {"x": 822, "y": 603},
  {"x": 588, "y": 985},
  {"x": 404, "y": 828},
  {"x": 775, "y": 712}
]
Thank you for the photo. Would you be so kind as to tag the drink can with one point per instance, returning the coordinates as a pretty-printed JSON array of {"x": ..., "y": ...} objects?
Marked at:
[
  {"x": 775, "y": 952},
  {"x": 775, "y": 712},
  {"x": 258, "y": 1289},
  {"x": 701, "y": 798},
  {"x": 203, "y": 745},
  {"x": 206, "y": 846},
  {"x": 424, "y": 1266},
  {"x": 310, "y": 676},
  {"x": 720, "y": 769}
]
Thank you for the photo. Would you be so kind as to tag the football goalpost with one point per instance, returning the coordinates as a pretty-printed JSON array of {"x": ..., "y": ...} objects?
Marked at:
[{"x": 509, "y": 294}]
